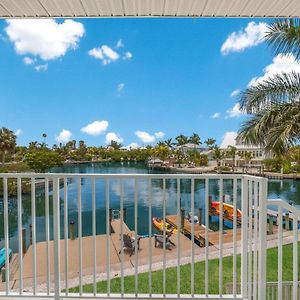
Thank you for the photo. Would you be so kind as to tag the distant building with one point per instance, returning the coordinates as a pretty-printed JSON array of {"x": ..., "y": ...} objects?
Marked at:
[{"x": 258, "y": 154}]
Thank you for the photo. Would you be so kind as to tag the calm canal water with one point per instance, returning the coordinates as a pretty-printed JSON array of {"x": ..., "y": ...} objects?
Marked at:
[{"x": 287, "y": 190}]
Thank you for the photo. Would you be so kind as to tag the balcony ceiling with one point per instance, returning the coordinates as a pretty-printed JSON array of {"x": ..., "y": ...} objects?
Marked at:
[{"x": 148, "y": 8}]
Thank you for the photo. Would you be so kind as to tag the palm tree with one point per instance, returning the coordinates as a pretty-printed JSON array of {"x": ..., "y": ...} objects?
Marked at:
[
  {"x": 210, "y": 143},
  {"x": 195, "y": 139},
  {"x": 115, "y": 145},
  {"x": 7, "y": 142},
  {"x": 231, "y": 152},
  {"x": 274, "y": 102},
  {"x": 181, "y": 140},
  {"x": 169, "y": 143},
  {"x": 217, "y": 155}
]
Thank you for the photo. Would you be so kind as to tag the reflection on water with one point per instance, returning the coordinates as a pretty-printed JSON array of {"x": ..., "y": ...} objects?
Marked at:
[{"x": 288, "y": 190}]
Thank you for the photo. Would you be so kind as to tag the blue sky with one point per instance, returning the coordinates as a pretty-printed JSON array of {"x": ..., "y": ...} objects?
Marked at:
[{"x": 165, "y": 76}]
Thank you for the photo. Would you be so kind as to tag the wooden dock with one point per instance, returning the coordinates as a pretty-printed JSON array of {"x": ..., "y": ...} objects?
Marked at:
[{"x": 213, "y": 236}]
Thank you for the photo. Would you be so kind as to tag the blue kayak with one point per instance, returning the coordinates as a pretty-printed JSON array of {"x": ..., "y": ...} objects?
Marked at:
[{"x": 3, "y": 256}]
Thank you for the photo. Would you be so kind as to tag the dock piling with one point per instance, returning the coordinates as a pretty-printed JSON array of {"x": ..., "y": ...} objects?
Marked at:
[
  {"x": 200, "y": 216},
  {"x": 3, "y": 278},
  {"x": 72, "y": 230},
  {"x": 270, "y": 221},
  {"x": 182, "y": 210},
  {"x": 24, "y": 248},
  {"x": 30, "y": 226},
  {"x": 124, "y": 214},
  {"x": 287, "y": 221},
  {"x": 209, "y": 207}
]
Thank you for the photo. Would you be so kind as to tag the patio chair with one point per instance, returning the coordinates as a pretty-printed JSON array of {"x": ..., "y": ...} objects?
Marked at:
[
  {"x": 129, "y": 244},
  {"x": 159, "y": 241}
]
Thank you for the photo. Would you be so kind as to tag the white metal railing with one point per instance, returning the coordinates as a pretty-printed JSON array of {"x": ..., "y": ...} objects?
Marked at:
[
  {"x": 111, "y": 191},
  {"x": 290, "y": 214}
]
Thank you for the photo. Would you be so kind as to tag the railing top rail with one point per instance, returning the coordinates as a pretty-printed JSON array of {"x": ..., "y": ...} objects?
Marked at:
[
  {"x": 285, "y": 205},
  {"x": 121, "y": 175}
]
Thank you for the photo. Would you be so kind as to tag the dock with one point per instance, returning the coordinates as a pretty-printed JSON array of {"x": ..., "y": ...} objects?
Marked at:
[{"x": 146, "y": 255}]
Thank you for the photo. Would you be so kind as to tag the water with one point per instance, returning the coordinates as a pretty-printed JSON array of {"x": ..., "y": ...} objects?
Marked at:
[{"x": 288, "y": 190}]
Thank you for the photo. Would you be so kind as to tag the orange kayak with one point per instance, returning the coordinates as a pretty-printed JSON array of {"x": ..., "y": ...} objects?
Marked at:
[
  {"x": 159, "y": 224},
  {"x": 228, "y": 210}
]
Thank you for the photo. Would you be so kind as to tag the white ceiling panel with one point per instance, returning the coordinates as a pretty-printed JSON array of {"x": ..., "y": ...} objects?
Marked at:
[
  {"x": 184, "y": 7},
  {"x": 152, "y": 8}
]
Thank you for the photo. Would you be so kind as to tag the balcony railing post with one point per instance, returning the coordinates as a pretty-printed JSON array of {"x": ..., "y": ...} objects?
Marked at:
[
  {"x": 56, "y": 233},
  {"x": 244, "y": 254},
  {"x": 262, "y": 239}
]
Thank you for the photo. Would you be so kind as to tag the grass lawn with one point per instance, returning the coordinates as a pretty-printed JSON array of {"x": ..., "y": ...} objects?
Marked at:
[{"x": 185, "y": 273}]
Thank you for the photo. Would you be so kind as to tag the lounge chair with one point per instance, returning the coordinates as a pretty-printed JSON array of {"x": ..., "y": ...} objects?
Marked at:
[
  {"x": 159, "y": 241},
  {"x": 129, "y": 244}
]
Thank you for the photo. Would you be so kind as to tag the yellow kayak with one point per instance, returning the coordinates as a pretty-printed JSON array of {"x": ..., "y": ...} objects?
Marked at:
[{"x": 159, "y": 224}]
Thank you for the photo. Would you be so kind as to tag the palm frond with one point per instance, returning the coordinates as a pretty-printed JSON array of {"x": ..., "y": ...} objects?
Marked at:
[
  {"x": 284, "y": 37},
  {"x": 275, "y": 128},
  {"x": 284, "y": 87}
]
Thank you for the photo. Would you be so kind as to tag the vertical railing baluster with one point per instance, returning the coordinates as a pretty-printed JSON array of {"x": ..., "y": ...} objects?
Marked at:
[
  {"x": 178, "y": 237},
  {"x": 250, "y": 240},
  {"x": 192, "y": 237},
  {"x": 6, "y": 235},
  {"x": 244, "y": 248},
  {"x": 20, "y": 235},
  {"x": 207, "y": 208},
  {"x": 234, "y": 236},
  {"x": 221, "y": 208},
  {"x": 279, "y": 253},
  {"x": 255, "y": 240},
  {"x": 136, "y": 237},
  {"x": 262, "y": 238},
  {"x": 56, "y": 233},
  {"x": 164, "y": 237},
  {"x": 33, "y": 223},
  {"x": 295, "y": 257},
  {"x": 150, "y": 235},
  {"x": 94, "y": 235},
  {"x": 47, "y": 233},
  {"x": 66, "y": 234},
  {"x": 122, "y": 231},
  {"x": 79, "y": 205},
  {"x": 107, "y": 235}
]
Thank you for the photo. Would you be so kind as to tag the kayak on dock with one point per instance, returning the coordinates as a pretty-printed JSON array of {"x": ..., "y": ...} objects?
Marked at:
[
  {"x": 159, "y": 224},
  {"x": 228, "y": 210},
  {"x": 3, "y": 256}
]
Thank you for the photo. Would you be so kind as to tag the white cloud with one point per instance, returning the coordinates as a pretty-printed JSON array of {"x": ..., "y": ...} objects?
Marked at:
[
  {"x": 159, "y": 134},
  {"x": 64, "y": 136},
  {"x": 235, "y": 93},
  {"x": 280, "y": 64},
  {"x": 41, "y": 68},
  {"x": 133, "y": 146},
  {"x": 120, "y": 44},
  {"x": 229, "y": 139},
  {"x": 112, "y": 136},
  {"x": 18, "y": 132},
  {"x": 95, "y": 128},
  {"x": 120, "y": 88},
  {"x": 250, "y": 36},
  {"x": 105, "y": 54},
  {"x": 28, "y": 60},
  {"x": 145, "y": 137},
  {"x": 44, "y": 38},
  {"x": 216, "y": 115},
  {"x": 234, "y": 112},
  {"x": 128, "y": 55}
]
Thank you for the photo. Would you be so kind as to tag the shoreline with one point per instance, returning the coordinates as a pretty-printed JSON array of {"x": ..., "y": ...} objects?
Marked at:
[{"x": 205, "y": 170}]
